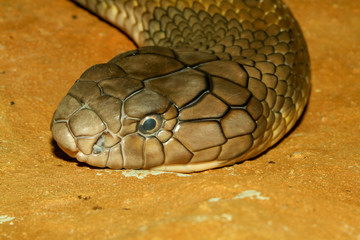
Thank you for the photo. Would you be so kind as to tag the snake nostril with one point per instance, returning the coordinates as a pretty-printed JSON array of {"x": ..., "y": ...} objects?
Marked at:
[{"x": 99, "y": 145}]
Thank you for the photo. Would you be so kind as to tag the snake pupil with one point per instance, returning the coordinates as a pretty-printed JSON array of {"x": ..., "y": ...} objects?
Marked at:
[{"x": 149, "y": 124}]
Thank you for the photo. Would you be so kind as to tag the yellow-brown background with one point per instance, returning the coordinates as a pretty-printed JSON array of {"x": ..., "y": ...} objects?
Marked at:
[{"x": 311, "y": 191}]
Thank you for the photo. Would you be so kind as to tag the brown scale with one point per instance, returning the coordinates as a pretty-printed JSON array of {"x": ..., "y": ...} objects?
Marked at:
[{"x": 212, "y": 84}]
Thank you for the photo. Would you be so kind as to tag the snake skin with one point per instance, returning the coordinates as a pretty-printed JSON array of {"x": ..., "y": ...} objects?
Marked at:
[{"x": 212, "y": 84}]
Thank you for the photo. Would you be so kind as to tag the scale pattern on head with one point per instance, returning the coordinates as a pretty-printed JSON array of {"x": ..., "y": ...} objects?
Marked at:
[{"x": 215, "y": 91}]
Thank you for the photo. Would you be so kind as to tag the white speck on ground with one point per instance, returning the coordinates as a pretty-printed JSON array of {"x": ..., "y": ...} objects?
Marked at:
[
  {"x": 201, "y": 218},
  {"x": 216, "y": 199},
  {"x": 250, "y": 194},
  {"x": 143, "y": 228},
  {"x": 140, "y": 174},
  {"x": 224, "y": 216},
  {"x": 5, "y": 218}
]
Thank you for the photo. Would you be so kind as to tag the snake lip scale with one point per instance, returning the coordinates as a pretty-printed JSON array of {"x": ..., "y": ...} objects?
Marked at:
[{"x": 214, "y": 83}]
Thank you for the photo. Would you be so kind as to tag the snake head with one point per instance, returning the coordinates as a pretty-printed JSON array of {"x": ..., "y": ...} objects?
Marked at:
[
  {"x": 110, "y": 119},
  {"x": 156, "y": 108}
]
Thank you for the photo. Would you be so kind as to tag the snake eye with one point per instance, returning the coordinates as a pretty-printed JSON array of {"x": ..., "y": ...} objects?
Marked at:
[{"x": 150, "y": 124}]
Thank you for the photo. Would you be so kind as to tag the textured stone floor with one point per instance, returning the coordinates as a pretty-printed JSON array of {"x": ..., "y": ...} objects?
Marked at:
[{"x": 307, "y": 187}]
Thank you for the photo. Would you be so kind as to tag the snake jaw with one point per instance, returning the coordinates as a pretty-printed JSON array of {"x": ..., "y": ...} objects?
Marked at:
[
  {"x": 68, "y": 152},
  {"x": 64, "y": 138}
]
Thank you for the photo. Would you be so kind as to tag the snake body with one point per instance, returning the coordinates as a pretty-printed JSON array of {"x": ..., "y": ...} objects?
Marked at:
[{"x": 212, "y": 84}]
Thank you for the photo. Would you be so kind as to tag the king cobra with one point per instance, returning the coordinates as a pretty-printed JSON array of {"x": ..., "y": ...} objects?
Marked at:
[{"x": 213, "y": 83}]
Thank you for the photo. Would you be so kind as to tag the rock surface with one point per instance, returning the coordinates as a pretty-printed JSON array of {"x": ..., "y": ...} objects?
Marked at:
[{"x": 307, "y": 187}]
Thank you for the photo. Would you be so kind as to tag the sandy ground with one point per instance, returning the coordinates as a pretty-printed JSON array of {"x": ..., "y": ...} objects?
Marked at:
[{"x": 307, "y": 187}]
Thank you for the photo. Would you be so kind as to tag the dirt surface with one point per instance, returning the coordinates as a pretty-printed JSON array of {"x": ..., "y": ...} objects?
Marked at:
[{"x": 307, "y": 187}]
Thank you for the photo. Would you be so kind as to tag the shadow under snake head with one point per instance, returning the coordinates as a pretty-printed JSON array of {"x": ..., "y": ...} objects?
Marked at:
[{"x": 157, "y": 108}]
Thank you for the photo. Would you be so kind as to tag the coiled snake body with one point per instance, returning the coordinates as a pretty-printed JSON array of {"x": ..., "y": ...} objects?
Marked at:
[{"x": 217, "y": 82}]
